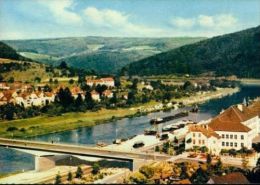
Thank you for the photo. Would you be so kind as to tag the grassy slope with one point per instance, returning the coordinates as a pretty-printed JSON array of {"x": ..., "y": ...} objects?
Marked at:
[{"x": 36, "y": 70}]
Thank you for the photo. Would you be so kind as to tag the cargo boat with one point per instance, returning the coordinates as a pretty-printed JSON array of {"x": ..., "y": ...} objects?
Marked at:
[{"x": 169, "y": 118}]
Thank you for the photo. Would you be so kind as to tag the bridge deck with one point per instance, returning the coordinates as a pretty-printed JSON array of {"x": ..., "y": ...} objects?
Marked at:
[{"x": 79, "y": 150}]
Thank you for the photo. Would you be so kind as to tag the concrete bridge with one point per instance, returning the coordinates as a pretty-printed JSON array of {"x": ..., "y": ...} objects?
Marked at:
[{"x": 77, "y": 150}]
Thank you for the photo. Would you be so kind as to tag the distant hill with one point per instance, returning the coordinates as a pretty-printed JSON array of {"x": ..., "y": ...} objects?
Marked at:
[
  {"x": 232, "y": 54},
  {"x": 9, "y": 53},
  {"x": 102, "y": 54}
]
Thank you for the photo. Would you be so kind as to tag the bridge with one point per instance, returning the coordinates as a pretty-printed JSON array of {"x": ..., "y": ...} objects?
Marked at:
[{"x": 80, "y": 150}]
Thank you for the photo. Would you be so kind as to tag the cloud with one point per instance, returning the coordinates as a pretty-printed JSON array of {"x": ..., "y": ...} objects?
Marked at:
[
  {"x": 220, "y": 21},
  {"x": 205, "y": 21},
  {"x": 118, "y": 21},
  {"x": 182, "y": 22},
  {"x": 61, "y": 10}
]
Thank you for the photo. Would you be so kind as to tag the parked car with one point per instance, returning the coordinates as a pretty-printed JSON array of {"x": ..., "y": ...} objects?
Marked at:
[{"x": 138, "y": 144}]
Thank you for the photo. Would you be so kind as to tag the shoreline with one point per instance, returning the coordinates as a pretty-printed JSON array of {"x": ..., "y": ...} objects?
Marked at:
[{"x": 72, "y": 121}]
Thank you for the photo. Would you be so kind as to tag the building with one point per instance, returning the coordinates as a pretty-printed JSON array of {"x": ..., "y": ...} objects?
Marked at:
[
  {"x": 34, "y": 99},
  {"x": 203, "y": 135},
  {"x": 95, "y": 95},
  {"x": 108, "y": 94},
  {"x": 4, "y": 86},
  {"x": 75, "y": 91},
  {"x": 110, "y": 82},
  {"x": 233, "y": 128},
  {"x": 231, "y": 178}
]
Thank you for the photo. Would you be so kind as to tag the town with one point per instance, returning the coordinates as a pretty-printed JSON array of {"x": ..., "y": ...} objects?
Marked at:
[{"x": 129, "y": 92}]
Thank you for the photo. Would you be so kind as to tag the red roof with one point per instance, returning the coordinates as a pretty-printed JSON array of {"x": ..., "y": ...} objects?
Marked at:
[
  {"x": 230, "y": 120},
  {"x": 204, "y": 129},
  {"x": 232, "y": 178}
]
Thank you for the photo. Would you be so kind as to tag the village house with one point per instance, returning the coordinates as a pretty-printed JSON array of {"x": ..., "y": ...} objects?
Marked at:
[
  {"x": 109, "y": 82},
  {"x": 4, "y": 86},
  {"x": 95, "y": 95},
  {"x": 108, "y": 94},
  {"x": 233, "y": 128},
  {"x": 7, "y": 96},
  {"x": 75, "y": 91},
  {"x": 34, "y": 99}
]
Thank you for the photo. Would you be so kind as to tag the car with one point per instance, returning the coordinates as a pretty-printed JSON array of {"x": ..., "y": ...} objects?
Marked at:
[{"x": 138, "y": 144}]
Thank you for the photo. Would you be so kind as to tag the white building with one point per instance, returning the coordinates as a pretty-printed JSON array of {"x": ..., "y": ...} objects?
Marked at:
[
  {"x": 110, "y": 82},
  {"x": 95, "y": 95},
  {"x": 234, "y": 128}
]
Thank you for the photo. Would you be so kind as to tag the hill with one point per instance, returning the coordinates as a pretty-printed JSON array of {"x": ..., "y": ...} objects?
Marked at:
[
  {"x": 231, "y": 54},
  {"x": 10, "y": 53},
  {"x": 102, "y": 54}
]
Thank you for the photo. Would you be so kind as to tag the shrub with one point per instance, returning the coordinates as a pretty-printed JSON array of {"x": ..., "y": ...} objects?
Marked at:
[
  {"x": 11, "y": 129},
  {"x": 79, "y": 172},
  {"x": 95, "y": 168}
]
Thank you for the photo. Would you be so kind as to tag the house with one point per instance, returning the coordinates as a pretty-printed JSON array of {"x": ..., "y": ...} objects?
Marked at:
[
  {"x": 7, "y": 96},
  {"x": 4, "y": 86},
  {"x": 233, "y": 128},
  {"x": 35, "y": 98},
  {"x": 75, "y": 91},
  {"x": 95, "y": 95},
  {"x": 108, "y": 94},
  {"x": 109, "y": 82},
  {"x": 231, "y": 178},
  {"x": 203, "y": 135}
]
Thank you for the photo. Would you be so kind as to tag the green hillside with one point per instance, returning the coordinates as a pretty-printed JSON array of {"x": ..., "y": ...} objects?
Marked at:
[
  {"x": 102, "y": 54},
  {"x": 9, "y": 53},
  {"x": 232, "y": 54}
]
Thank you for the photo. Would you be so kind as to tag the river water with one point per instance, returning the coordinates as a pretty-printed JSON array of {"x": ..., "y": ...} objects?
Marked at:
[{"x": 13, "y": 161}]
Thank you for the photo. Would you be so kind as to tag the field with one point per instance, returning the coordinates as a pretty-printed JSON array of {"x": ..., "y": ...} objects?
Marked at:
[{"x": 69, "y": 121}]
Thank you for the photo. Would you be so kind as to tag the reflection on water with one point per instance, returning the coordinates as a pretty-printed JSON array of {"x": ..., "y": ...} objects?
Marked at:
[{"x": 123, "y": 128}]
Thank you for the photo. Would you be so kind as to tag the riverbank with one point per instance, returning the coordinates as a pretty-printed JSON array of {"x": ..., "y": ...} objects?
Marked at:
[
  {"x": 250, "y": 81},
  {"x": 42, "y": 125},
  {"x": 206, "y": 96}
]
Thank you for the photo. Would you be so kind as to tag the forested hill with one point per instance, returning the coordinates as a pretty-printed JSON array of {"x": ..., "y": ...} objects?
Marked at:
[
  {"x": 102, "y": 54},
  {"x": 232, "y": 54},
  {"x": 9, "y": 53}
]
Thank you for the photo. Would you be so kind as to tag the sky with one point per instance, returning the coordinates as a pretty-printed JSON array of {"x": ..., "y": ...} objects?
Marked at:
[{"x": 32, "y": 19}]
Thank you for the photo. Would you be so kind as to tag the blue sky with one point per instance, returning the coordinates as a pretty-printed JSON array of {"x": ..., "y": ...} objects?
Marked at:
[{"x": 27, "y": 19}]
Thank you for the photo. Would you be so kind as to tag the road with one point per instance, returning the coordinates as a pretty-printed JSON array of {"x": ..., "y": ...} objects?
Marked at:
[{"x": 79, "y": 150}]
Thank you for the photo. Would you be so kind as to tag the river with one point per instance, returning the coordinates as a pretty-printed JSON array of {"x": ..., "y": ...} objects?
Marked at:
[{"x": 13, "y": 161}]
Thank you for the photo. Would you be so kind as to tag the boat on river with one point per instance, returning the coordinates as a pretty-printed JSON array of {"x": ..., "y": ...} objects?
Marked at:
[{"x": 169, "y": 118}]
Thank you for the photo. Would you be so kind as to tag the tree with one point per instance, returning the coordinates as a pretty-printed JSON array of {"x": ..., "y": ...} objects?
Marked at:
[
  {"x": 187, "y": 86},
  {"x": 65, "y": 97},
  {"x": 209, "y": 160},
  {"x": 37, "y": 79},
  {"x": 95, "y": 168},
  {"x": 199, "y": 177},
  {"x": 70, "y": 176},
  {"x": 147, "y": 170},
  {"x": 1, "y": 78},
  {"x": 58, "y": 179},
  {"x": 10, "y": 80},
  {"x": 71, "y": 81},
  {"x": 89, "y": 101},
  {"x": 100, "y": 88},
  {"x": 79, "y": 173},
  {"x": 134, "y": 84},
  {"x": 56, "y": 81},
  {"x": 175, "y": 140},
  {"x": 63, "y": 65},
  {"x": 218, "y": 167},
  {"x": 79, "y": 100}
]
